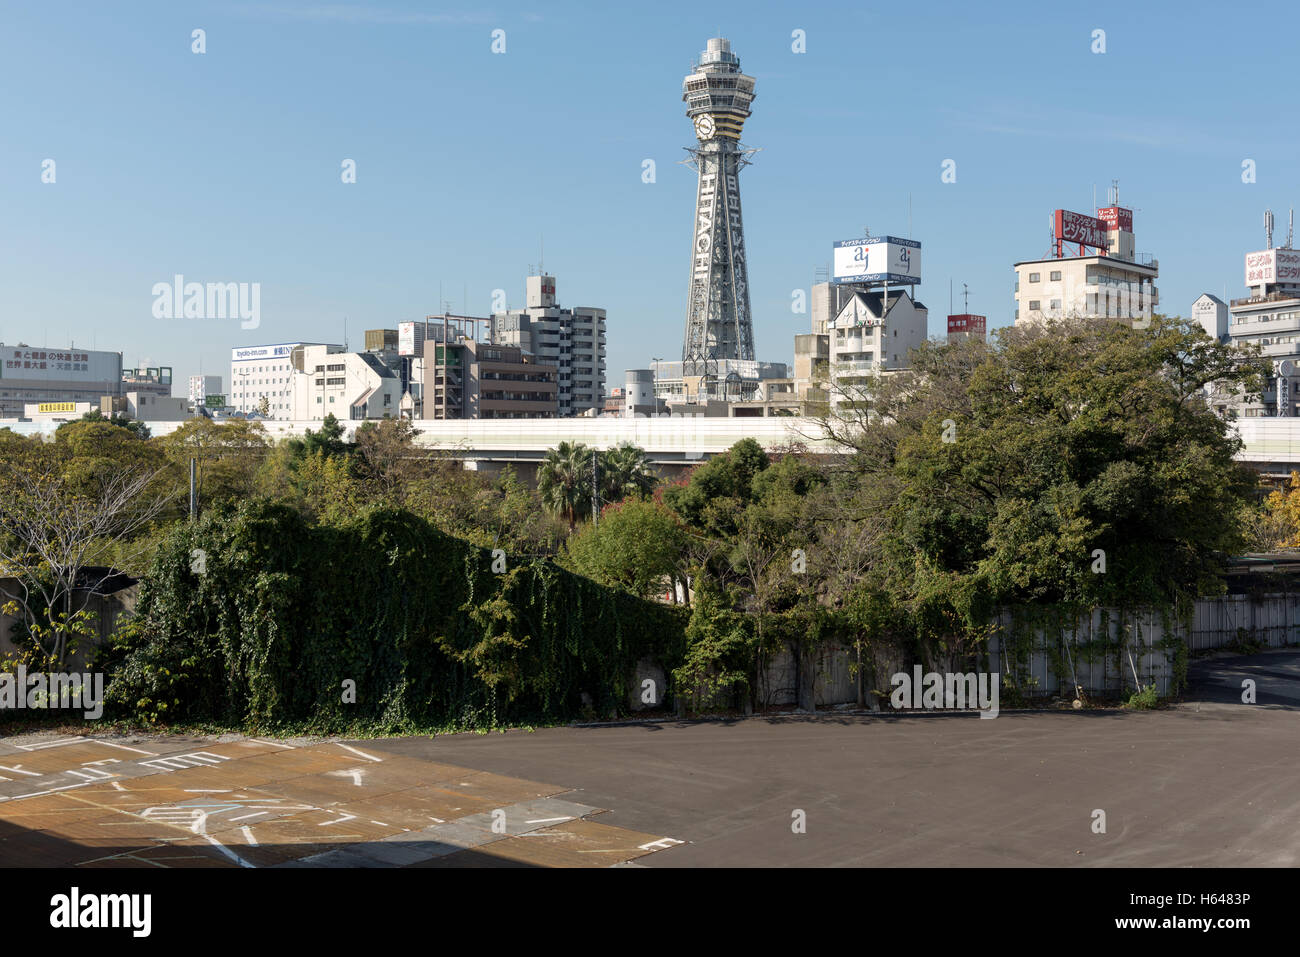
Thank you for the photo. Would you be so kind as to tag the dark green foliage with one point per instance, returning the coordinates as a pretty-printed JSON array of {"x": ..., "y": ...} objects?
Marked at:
[{"x": 285, "y": 612}]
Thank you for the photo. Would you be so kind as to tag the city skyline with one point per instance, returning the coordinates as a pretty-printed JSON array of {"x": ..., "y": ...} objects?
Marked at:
[{"x": 226, "y": 166}]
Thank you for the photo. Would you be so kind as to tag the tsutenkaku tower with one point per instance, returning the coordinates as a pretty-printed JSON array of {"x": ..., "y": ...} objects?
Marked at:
[{"x": 718, "y": 324}]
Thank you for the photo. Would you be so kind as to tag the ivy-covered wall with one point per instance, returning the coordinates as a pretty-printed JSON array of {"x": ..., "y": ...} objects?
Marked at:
[{"x": 256, "y": 618}]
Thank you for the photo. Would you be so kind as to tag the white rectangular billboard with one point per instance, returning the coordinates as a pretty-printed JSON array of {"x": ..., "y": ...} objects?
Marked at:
[
  {"x": 1273, "y": 265},
  {"x": 60, "y": 365},
  {"x": 878, "y": 259}
]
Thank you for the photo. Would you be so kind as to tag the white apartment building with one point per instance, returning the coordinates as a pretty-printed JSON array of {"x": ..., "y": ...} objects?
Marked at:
[
  {"x": 1211, "y": 314},
  {"x": 1270, "y": 318},
  {"x": 572, "y": 340},
  {"x": 351, "y": 385},
  {"x": 258, "y": 372},
  {"x": 202, "y": 386},
  {"x": 871, "y": 335}
]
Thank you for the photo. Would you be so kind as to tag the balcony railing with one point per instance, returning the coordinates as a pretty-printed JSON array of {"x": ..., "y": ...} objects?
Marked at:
[{"x": 1270, "y": 297}]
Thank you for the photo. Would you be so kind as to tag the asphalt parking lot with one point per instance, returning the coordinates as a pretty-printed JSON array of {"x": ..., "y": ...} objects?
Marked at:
[{"x": 1211, "y": 782}]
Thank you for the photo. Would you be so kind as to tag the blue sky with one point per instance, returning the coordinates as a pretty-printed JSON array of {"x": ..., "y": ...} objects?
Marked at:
[{"x": 225, "y": 166}]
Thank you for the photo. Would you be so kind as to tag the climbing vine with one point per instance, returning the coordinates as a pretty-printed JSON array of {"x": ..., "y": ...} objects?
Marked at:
[{"x": 280, "y": 615}]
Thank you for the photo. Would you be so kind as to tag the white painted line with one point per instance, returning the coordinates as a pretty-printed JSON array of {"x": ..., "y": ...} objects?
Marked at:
[
  {"x": 227, "y": 851},
  {"x": 548, "y": 820},
  {"x": 124, "y": 747},
  {"x": 274, "y": 744},
  {"x": 94, "y": 774},
  {"x": 660, "y": 844},
  {"x": 248, "y": 833},
  {"x": 245, "y": 817},
  {"x": 56, "y": 743},
  {"x": 18, "y": 769},
  {"x": 368, "y": 757},
  {"x": 380, "y": 823},
  {"x": 209, "y": 790},
  {"x": 118, "y": 786},
  {"x": 438, "y": 819},
  {"x": 340, "y": 820}
]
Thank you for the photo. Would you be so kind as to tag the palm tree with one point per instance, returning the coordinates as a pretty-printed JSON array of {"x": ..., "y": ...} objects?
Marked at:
[
  {"x": 626, "y": 473},
  {"x": 564, "y": 480}
]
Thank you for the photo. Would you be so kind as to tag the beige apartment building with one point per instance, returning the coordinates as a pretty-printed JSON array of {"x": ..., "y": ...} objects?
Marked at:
[
  {"x": 1096, "y": 286},
  {"x": 466, "y": 379}
]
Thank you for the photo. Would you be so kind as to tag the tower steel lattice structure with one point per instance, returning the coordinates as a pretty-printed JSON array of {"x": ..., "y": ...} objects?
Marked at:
[{"x": 718, "y": 322}]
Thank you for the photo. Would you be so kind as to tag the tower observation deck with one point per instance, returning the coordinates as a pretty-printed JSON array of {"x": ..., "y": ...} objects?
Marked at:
[{"x": 718, "y": 323}]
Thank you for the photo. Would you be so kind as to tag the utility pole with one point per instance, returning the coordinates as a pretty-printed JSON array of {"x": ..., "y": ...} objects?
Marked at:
[{"x": 595, "y": 488}]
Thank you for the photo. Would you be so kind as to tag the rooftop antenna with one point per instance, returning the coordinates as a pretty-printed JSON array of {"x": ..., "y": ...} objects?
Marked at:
[
  {"x": 1290, "y": 228},
  {"x": 1268, "y": 229},
  {"x": 1113, "y": 195},
  {"x": 965, "y": 299}
]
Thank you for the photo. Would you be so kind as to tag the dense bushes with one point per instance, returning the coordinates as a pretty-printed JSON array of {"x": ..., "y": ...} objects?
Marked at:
[{"x": 256, "y": 618}]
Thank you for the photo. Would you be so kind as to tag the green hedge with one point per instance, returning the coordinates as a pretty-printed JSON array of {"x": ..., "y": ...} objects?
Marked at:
[{"x": 255, "y": 618}]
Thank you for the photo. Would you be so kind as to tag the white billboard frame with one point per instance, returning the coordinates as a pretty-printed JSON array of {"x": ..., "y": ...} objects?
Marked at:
[{"x": 883, "y": 259}]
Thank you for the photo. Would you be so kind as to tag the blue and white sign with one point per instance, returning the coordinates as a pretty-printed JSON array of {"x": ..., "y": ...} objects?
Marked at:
[
  {"x": 878, "y": 259},
  {"x": 282, "y": 350}
]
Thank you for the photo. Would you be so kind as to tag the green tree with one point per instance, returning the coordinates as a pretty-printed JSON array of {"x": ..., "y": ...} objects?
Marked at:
[
  {"x": 228, "y": 456},
  {"x": 54, "y": 520},
  {"x": 637, "y": 546},
  {"x": 117, "y": 418},
  {"x": 1073, "y": 463},
  {"x": 625, "y": 472},
  {"x": 329, "y": 439},
  {"x": 565, "y": 479}
]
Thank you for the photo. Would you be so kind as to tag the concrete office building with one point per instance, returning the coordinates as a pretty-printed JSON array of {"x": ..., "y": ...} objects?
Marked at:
[
  {"x": 152, "y": 381},
  {"x": 1114, "y": 282},
  {"x": 467, "y": 379},
  {"x": 828, "y": 299},
  {"x": 350, "y": 385},
  {"x": 812, "y": 361},
  {"x": 571, "y": 340},
  {"x": 147, "y": 406},
  {"x": 258, "y": 372},
  {"x": 729, "y": 380},
  {"x": 36, "y": 374}
]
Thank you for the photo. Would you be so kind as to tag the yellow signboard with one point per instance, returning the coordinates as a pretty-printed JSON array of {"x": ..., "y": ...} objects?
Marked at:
[{"x": 56, "y": 407}]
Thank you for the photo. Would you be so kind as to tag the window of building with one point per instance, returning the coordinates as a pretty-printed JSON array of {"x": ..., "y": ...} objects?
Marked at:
[
  {"x": 1035, "y": 305},
  {"x": 1033, "y": 276},
  {"x": 1056, "y": 305},
  {"x": 1055, "y": 275}
]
